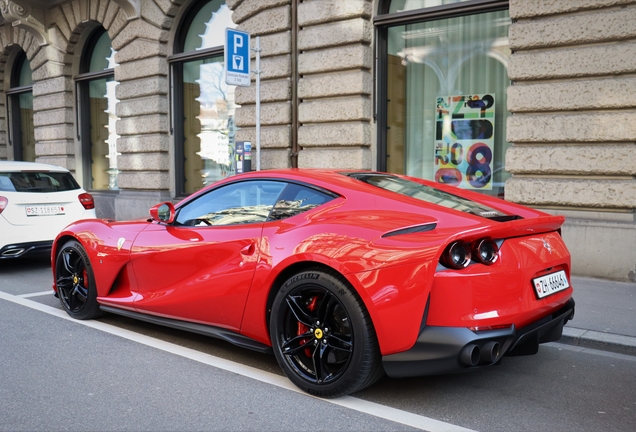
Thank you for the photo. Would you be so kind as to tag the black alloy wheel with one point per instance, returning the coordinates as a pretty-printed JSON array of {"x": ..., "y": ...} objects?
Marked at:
[
  {"x": 322, "y": 335},
  {"x": 75, "y": 282}
]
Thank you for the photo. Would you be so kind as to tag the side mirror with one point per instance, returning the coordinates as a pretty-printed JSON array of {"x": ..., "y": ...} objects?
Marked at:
[{"x": 163, "y": 212}]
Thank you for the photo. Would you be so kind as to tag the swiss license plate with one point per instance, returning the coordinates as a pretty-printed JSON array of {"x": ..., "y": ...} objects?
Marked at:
[
  {"x": 550, "y": 283},
  {"x": 44, "y": 210}
]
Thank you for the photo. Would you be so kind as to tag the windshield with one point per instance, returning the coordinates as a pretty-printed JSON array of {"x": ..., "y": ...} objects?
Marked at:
[
  {"x": 429, "y": 194},
  {"x": 34, "y": 181}
]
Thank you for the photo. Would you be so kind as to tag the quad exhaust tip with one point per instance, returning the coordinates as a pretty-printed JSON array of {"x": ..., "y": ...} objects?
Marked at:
[
  {"x": 473, "y": 355},
  {"x": 470, "y": 355},
  {"x": 490, "y": 353}
]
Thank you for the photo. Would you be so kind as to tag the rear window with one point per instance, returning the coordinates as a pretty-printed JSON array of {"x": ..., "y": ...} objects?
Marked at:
[
  {"x": 33, "y": 181},
  {"x": 431, "y": 195}
]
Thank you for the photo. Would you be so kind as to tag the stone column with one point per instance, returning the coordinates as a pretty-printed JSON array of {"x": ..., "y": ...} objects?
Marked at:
[
  {"x": 271, "y": 20},
  {"x": 53, "y": 102},
  {"x": 143, "y": 124},
  {"x": 573, "y": 125},
  {"x": 335, "y": 86}
]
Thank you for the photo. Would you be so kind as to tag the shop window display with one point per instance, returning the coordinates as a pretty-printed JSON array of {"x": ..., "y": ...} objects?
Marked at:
[{"x": 446, "y": 90}]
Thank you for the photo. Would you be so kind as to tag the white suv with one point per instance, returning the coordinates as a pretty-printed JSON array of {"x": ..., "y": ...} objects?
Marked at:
[{"x": 36, "y": 202}]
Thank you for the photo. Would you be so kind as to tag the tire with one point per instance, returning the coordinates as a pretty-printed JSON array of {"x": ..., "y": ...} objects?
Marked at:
[
  {"x": 75, "y": 282},
  {"x": 322, "y": 335}
]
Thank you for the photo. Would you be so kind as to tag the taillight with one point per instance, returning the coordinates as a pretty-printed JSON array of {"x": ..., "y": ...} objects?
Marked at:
[
  {"x": 456, "y": 255},
  {"x": 3, "y": 203},
  {"x": 491, "y": 327},
  {"x": 87, "y": 201},
  {"x": 485, "y": 251}
]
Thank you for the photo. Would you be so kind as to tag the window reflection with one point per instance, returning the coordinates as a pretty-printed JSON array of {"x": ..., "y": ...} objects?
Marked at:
[
  {"x": 208, "y": 27},
  {"x": 21, "y": 110},
  {"x": 100, "y": 118},
  {"x": 238, "y": 203},
  {"x": 209, "y": 111},
  {"x": 440, "y": 74},
  {"x": 27, "y": 131},
  {"x": 103, "y": 135},
  {"x": 208, "y": 102},
  {"x": 407, "y": 5}
]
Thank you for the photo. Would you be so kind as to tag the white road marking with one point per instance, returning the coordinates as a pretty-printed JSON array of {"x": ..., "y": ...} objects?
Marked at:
[
  {"x": 382, "y": 411},
  {"x": 37, "y": 294},
  {"x": 580, "y": 349}
]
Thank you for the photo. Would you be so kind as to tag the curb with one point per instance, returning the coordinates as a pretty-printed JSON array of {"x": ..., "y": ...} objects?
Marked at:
[{"x": 598, "y": 340}]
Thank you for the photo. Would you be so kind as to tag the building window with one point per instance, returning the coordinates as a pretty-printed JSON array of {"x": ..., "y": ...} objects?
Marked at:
[
  {"x": 444, "y": 79},
  {"x": 96, "y": 112},
  {"x": 20, "y": 102},
  {"x": 203, "y": 104}
]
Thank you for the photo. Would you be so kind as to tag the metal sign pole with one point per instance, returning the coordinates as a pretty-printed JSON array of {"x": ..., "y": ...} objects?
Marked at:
[{"x": 258, "y": 102}]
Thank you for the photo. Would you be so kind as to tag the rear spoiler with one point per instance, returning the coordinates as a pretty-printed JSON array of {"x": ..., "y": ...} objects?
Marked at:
[
  {"x": 496, "y": 230},
  {"x": 514, "y": 228}
]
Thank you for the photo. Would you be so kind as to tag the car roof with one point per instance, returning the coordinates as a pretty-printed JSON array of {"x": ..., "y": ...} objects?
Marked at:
[
  {"x": 330, "y": 176},
  {"x": 17, "y": 166}
]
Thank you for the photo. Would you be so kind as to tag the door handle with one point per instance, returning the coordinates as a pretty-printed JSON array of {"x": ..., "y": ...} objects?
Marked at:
[{"x": 249, "y": 249}]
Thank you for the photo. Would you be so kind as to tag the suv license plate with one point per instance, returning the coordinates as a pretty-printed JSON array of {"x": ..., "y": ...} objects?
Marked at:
[
  {"x": 550, "y": 284},
  {"x": 44, "y": 210}
]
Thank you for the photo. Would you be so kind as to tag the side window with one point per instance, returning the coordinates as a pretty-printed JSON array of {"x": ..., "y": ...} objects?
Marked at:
[
  {"x": 236, "y": 203},
  {"x": 297, "y": 199}
]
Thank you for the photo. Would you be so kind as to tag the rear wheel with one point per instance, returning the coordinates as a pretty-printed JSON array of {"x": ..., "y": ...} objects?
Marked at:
[
  {"x": 322, "y": 335},
  {"x": 75, "y": 282}
]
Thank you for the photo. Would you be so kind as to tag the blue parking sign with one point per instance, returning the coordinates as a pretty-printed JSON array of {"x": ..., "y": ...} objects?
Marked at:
[{"x": 237, "y": 57}]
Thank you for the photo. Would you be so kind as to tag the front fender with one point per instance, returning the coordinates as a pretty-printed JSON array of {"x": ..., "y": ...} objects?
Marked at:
[{"x": 107, "y": 245}]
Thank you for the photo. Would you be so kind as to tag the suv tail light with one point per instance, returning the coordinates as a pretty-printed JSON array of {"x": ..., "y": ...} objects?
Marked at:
[
  {"x": 87, "y": 201},
  {"x": 3, "y": 203}
]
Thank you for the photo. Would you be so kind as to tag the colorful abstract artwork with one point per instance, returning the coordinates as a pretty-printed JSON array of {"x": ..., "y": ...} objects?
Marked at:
[{"x": 464, "y": 141}]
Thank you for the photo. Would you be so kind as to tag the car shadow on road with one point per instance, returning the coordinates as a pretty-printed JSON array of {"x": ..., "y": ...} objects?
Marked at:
[{"x": 37, "y": 261}]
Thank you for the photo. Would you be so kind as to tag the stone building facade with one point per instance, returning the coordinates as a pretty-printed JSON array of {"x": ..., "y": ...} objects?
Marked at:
[{"x": 338, "y": 86}]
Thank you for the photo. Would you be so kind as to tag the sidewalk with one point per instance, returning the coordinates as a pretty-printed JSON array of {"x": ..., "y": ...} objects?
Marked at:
[{"x": 605, "y": 316}]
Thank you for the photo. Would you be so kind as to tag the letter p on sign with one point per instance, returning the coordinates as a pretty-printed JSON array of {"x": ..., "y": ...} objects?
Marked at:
[{"x": 238, "y": 42}]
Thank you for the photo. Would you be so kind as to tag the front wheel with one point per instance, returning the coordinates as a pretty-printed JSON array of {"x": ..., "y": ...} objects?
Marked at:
[
  {"x": 322, "y": 335},
  {"x": 75, "y": 282}
]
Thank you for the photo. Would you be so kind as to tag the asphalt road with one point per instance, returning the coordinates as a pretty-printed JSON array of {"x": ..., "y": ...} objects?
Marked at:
[{"x": 119, "y": 374}]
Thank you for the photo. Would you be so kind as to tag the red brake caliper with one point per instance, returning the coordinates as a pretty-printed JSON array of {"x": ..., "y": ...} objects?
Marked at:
[{"x": 302, "y": 328}]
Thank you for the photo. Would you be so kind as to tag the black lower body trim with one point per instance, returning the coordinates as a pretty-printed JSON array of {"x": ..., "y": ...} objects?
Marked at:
[
  {"x": 215, "y": 332},
  {"x": 440, "y": 350}
]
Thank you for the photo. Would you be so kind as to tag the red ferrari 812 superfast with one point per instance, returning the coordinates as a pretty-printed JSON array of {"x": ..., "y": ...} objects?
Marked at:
[{"x": 344, "y": 275}]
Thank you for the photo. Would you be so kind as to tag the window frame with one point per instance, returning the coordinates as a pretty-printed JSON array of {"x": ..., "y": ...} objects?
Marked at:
[
  {"x": 176, "y": 63},
  {"x": 382, "y": 22},
  {"x": 82, "y": 101},
  {"x": 14, "y": 125}
]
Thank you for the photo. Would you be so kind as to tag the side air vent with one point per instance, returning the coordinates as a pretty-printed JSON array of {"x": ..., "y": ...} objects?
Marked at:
[{"x": 411, "y": 230}]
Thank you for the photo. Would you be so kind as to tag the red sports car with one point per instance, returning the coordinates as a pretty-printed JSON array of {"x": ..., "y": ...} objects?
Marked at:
[{"x": 344, "y": 275}]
